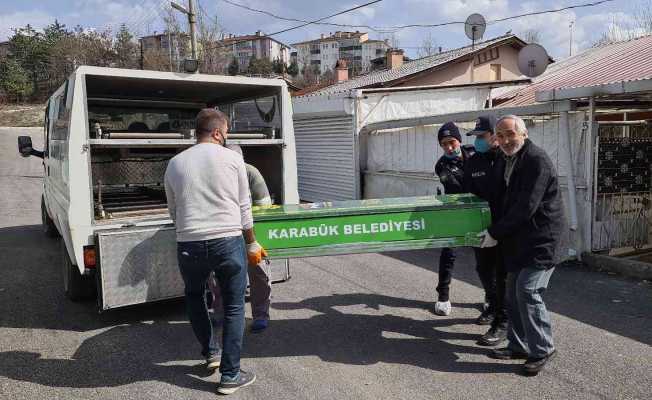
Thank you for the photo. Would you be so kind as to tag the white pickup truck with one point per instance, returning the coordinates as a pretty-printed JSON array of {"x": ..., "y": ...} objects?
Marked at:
[{"x": 109, "y": 134}]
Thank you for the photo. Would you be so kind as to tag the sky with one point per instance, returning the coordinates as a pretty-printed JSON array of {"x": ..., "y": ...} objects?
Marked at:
[{"x": 145, "y": 16}]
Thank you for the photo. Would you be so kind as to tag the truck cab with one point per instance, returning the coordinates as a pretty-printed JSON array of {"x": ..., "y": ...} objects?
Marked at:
[{"x": 109, "y": 134}]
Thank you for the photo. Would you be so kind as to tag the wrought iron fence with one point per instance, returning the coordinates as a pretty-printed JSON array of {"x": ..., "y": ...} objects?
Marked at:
[
  {"x": 623, "y": 195},
  {"x": 622, "y": 220}
]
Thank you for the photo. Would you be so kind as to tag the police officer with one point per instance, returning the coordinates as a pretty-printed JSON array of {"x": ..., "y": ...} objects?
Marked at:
[
  {"x": 477, "y": 180},
  {"x": 450, "y": 169}
]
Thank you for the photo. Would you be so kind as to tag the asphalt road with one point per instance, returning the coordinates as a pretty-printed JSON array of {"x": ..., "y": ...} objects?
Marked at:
[{"x": 347, "y": 327}]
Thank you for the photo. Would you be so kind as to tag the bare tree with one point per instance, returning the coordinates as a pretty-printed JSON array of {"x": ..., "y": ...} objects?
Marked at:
[
  {"x": 428, "y": 47},
  {"x": 643, "y": 17},
  {"x": 532, "y": 36},
  {"x": 619, "y": 30},
  {"x": 214, "y": 57}
]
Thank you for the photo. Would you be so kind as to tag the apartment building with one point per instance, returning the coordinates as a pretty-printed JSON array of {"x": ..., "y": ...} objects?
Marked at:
[
  {"x": 164, "y": 49},
  {"x": 354, "y": 47},
  {"x": 259, "y": 45}
]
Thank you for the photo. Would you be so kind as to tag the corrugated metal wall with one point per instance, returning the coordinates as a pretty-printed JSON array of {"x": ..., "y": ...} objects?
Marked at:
[{"x": 326, "y": 158}]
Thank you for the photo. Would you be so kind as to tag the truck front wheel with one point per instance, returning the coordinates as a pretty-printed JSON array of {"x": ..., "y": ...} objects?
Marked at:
[{"x": 75, "y": 285}]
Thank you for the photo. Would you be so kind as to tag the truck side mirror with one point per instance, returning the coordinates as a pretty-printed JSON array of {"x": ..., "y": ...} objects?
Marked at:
[{"x": 25, "y": 147}]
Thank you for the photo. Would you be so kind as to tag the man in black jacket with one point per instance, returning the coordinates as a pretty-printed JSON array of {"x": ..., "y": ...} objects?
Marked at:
[
  {"x": 450, "y": 169},
  {"x": 529, "y": 226},
  {"x": 477, "y": 180}
]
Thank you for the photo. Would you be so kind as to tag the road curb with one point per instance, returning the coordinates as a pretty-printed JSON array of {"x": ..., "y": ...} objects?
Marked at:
[{"x": 622, "y": 266}]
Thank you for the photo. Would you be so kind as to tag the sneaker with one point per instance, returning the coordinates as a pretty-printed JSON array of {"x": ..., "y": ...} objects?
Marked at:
[
  {"x": 258, "y": 325},
  {"x": 534, "y": 365},
  {"x": 229, "y": 386},
  {"x": 493, "y": 337},
  {"x": 486, "y": 318},
  {"x": 442, "y": 308},
  {"x": 506, "y": 353},
  {"x": 213, "y": 362}
]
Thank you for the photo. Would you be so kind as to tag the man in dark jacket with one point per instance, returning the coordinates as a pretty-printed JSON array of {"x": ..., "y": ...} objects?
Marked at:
[
  {"x": 477, "y": 180},
  {"x": 529, "y": 226},
  {"x": 450, "y": 169}
]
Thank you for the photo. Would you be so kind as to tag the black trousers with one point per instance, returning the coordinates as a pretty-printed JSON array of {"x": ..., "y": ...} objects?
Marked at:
[
  {"x": 446, "y": 266},
  {"x": 493, "y": 276}
]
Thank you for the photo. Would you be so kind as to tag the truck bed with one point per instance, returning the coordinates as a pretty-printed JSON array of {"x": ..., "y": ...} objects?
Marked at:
[{"x": 112, "y": 203}]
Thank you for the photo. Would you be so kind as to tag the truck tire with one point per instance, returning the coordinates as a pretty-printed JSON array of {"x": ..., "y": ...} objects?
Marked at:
[
  {"x": 49, "y": 228},
  {"x": 75, "y": 285}
]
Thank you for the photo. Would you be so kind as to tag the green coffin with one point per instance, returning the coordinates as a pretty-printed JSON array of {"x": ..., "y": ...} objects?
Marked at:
[{"x": 370, "y": 226}]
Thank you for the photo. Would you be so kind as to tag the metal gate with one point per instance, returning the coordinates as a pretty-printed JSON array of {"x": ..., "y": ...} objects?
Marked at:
[
  {"x": 327, "y": 158},
  {"x": 623, "y": 186}
]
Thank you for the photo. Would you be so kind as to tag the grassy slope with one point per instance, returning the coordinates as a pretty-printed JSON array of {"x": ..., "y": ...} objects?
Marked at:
[{"x": 21, "y": 115}]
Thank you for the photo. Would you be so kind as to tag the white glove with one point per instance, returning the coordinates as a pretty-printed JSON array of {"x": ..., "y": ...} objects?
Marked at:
[{"x": 487, "y": 240}]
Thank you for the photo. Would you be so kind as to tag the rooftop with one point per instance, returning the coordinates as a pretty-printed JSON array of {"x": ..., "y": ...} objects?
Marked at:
[
  {"x": 386, "y": 76},
  {"x": 623, "y": 61}
]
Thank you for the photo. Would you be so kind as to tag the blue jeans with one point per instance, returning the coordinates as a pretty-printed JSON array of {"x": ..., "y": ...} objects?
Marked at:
[
  {"x": 529, "y": 322},
  {"x": 227, "y": 257}
]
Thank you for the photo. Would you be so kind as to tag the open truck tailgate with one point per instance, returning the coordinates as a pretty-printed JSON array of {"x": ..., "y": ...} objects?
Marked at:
[{"x": 137, "y": 266}]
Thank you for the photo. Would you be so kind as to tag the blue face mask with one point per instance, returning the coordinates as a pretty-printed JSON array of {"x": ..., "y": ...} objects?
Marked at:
[
  {"x": 481, "y": 145},
  {"x": 456, "y": 153}
]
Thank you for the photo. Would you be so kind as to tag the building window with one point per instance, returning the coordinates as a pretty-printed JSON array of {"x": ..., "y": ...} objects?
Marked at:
[
  {"x": 494, "y": 72},
  {"x": 486, "y": 56}
]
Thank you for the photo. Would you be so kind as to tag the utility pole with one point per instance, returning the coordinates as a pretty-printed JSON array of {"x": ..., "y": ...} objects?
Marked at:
[
  {"x": 570, "y": 41},
  {"x": 192, "y": 20},
  {"x": 170, "y": 48}
]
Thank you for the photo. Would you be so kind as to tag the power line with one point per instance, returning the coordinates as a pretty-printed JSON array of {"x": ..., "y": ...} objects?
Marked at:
[
  {"x": 388, "y": 29},
  {"x": 295, "y": 19},
  {"x": 597, "y": 3},
  {"x": 299, "y": 26}
]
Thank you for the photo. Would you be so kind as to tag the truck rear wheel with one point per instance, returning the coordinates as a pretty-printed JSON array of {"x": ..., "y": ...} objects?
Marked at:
[
  {"x": 75, "y": 285},
  {"x": 48, "y": 225}
]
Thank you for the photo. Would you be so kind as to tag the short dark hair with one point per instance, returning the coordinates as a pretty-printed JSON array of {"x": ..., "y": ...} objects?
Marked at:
[{"x": 208, "y": 120}]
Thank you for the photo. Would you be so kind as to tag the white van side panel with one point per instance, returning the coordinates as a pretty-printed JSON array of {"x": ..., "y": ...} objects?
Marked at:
[
  {"x": 80, "y": 209},
  {"x": 56, "y": 190}
]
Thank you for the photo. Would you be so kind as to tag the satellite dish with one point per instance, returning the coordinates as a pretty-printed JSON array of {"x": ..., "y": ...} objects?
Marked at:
[
  {"x": 532, "y": 60},
  {"x": 475, "y": 26}
]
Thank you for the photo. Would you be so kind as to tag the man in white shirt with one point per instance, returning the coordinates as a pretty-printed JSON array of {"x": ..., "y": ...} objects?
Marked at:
[{"x": 208, "y": 199}]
